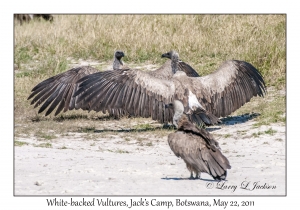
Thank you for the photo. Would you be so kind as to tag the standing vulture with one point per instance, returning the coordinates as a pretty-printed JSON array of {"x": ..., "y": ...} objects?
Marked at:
[
  {"x": 146, "y": 94},
  {"x": 59, "y": 89},
  {"x": 199, "y": 150}
]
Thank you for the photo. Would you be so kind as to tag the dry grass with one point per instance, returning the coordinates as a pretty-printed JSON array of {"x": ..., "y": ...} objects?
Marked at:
[
  {"x": 202, "y": 40},
  {"x": 44, "y": 49},
  {"x": 271, "y": 109}
]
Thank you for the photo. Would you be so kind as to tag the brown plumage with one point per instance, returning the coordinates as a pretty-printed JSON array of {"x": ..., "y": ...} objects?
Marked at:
[
  {"x": 146, "y": 94},
  {"x": 58, "y": 90},
  {"x": 199, "y": 150},
  {"x": 178, "y": 109}
]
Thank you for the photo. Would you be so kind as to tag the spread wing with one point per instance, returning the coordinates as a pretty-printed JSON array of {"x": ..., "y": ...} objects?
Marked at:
[
  {"x": 137, "y": 92},
  {"x": 201, "y": 115},
  {"x": 145, "y": 94},
  {"x": 228, "y": 88},
  {"x": 190, "y": 72},
  {"x": 58, "y": 90},
  {"x": 196, "y": 152}
]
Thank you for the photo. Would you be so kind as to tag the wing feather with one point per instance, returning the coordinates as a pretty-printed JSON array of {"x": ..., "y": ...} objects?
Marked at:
[
  {"x": 130, "y": 89},
  {"x": 57, "y": 90},
  {"x": 190, "y": 72},
  {"x": 229, "y": 87},
  {"x": 220, "y": 93}
]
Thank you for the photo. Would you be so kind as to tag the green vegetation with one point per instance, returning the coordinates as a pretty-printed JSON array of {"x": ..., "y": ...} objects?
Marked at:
[
  {"x": 46, "y": 145},
  {"x": 227, "y": 135},
  {"x": 20, "y": 143},
  {"x": 143, "y": 127},
  {"x": 240, "y": 155},
  {"x": 242, "y": 132},
  {"x": 121, "y": 151},
  {"x": 271, "y": 109},
  {"x": 149, "y": 144},
  {"x": 270, "y": 131},
  {"x": 256, "y": 135},
  {"x": 46, "y": 136},
  {"x": 118, "y": 151},
  {"x": 87, "y": 129}
]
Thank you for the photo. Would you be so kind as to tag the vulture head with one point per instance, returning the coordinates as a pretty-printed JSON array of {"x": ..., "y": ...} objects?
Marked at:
[
  {"x": 119, "y": 54},
  {"x": 178, "y": 108},
  {"x": 182, "y": 66},
  {"x": 173, "y": 55},
  {"x": 183, "y": 120},
  {"x": 167, "y": 55},
  {"x": 117, "y": 64}
]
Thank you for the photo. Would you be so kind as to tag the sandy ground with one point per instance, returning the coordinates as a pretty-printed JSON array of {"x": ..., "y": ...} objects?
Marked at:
[{"x": 116, "y": 165}]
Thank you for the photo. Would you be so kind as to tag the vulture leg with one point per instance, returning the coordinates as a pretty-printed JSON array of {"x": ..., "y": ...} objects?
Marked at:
[{"x": 191, "y": 177}]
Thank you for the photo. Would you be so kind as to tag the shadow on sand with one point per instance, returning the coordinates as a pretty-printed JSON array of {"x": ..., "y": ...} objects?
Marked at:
[
  {"x": 128, "y": 130},
  {"x": 231, "y": 120},
  {"x": 178, "y": 179},
  {"x": 124, "y": 130}
]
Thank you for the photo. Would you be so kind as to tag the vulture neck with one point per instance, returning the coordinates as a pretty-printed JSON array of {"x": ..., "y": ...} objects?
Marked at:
[
  {"x": 178, "y": 112},
  {"x": 174, "y": 63},
  {"x": 117, "y": 63}
]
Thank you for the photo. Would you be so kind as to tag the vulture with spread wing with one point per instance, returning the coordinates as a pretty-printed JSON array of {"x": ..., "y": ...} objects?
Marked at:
[
  {"x": 199, "y": 150},
  {"x": 145, "y": 94},
  {"x": 58, "y": 90}
]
